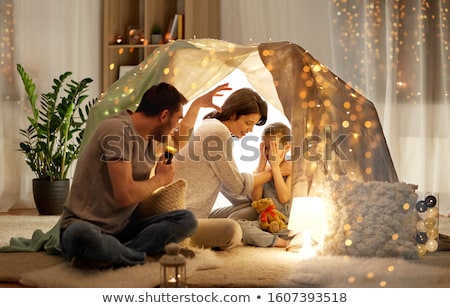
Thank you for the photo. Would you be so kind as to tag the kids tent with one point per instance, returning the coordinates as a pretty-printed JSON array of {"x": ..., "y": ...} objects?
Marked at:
[{"x": 336, "y": 131}]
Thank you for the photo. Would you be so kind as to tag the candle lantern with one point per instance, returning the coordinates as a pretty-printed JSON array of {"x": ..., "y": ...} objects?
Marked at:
[
  {"x": 119, "y": 39},
  {"x": 173, "y": 268}
]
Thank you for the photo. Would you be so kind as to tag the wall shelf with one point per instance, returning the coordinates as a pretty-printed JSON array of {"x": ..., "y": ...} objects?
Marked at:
[{"x": 201, "y": 20}]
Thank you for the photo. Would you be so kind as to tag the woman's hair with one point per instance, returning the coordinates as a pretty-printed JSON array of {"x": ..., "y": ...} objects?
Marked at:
[
  {"x": 160, "y": 97},
  {"x": 241, "y": 102}
]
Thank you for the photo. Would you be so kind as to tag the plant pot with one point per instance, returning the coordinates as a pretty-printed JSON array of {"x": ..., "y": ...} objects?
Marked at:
[
  {"x": 156, "y": 38},
  {"x": 50, "y": 196}
]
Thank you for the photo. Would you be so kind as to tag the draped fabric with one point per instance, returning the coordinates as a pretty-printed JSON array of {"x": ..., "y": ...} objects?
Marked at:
[
  {"x": 394, "y": 53},
  {"x": 335, "y": 130}
]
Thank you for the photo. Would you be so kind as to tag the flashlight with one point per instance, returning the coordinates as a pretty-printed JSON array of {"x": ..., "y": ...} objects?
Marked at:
[{"x": 169, "y": 152}]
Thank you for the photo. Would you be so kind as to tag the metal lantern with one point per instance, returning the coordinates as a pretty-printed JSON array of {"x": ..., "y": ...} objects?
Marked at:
[{"x": 173, "y": 268}]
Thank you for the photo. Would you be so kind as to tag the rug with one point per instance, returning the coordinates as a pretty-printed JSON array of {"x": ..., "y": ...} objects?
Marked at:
[
  {"x": 63, "y": 275},
  {"x": 239, "y": 267},
  {"x": 274, "y": 267}
]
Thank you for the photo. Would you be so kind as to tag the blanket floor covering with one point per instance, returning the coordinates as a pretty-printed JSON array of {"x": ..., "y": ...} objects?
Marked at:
[{"x": 239, "y": 267}]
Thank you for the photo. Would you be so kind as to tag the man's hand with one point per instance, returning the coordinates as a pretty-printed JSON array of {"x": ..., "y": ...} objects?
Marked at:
[{"x": 164, "y": 172}]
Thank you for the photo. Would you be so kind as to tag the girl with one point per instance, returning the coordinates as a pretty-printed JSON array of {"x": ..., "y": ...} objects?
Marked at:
[{"x": 273, "y": 149}]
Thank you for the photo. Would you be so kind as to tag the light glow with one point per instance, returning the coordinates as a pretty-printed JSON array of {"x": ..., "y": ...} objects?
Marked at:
[{"x": 307, "y": 217}]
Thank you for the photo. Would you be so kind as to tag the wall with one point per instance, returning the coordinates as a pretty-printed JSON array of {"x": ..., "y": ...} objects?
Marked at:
[{"x": 303, "y": 22}]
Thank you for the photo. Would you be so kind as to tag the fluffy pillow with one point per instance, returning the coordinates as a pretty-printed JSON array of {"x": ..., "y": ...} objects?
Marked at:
[
  {"x": 371, "y": 219},
  {"x": 165, "y": 199}
]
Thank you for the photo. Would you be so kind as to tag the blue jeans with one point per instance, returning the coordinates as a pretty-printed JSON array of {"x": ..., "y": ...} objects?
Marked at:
[{"x": 141, "y": 237}]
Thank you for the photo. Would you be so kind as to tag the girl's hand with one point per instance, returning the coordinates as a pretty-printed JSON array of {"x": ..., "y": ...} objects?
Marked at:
[
  {"x": 276, "y": 156},
  {"x": 262, "y": 158}
]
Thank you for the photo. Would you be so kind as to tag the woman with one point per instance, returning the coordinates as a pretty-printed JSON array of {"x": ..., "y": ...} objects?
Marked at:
[{"x": 208, "y": 167}]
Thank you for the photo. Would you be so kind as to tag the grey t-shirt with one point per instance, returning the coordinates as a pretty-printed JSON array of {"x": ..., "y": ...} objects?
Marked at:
[{"x": 91, "y": 196}]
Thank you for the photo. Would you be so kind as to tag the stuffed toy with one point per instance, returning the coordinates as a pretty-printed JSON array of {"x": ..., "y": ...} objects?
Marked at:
[{"x": 270, "y": 218}]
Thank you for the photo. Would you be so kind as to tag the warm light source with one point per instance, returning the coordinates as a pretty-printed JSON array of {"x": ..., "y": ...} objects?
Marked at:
[
  {"x": 173, "y": 268},
  {"x": 308, "y": 217}
]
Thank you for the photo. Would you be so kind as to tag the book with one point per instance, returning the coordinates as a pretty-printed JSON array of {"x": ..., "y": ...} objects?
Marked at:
[
  {"x": 180, "y": 34},
  {"x": 176, "y": 28}
]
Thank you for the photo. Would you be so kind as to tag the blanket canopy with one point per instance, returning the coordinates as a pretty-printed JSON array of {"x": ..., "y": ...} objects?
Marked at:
[{"x": 336, "y": 131}]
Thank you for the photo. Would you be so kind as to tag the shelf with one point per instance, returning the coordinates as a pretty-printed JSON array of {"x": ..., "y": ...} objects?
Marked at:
[
  {"x": 134, "y": 45},
  {"x": 201, "y": 20}
]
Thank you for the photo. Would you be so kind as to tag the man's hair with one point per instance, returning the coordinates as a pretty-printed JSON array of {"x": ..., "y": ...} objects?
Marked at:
[
  {"x": 241, "y": 102},
  {"x": 159, "y": 97}
]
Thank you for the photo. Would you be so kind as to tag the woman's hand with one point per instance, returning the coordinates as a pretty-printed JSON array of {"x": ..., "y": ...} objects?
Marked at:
[
  {"x": 206, "y": 100},
  {"x": 181, "y": 136},
  {"x": 286, "y": 168}
]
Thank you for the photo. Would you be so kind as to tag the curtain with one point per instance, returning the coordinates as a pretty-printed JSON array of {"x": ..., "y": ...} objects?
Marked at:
[
  {"x": 47, "y": 37},
  {"x": 393, "y": 52},
  {"x": 397, "y": 54}
]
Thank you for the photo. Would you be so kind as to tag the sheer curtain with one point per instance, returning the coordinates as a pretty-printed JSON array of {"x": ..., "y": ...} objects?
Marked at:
[
  {"x": 394, "y": 52},
  {"x": 48, "y": 37},
  {"x": 397, "y": 54}
]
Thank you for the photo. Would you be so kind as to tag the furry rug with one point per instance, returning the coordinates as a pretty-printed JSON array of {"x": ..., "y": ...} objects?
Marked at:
[
  {"x": 239, "y": 267},
  {"x": 272, "y": 267},
  {"x": 141, "y": 276},
  {"x": 251, "y": 267}
]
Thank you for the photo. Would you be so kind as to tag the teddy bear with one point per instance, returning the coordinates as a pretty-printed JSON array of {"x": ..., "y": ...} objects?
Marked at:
[{"x": 270, "y": 218}]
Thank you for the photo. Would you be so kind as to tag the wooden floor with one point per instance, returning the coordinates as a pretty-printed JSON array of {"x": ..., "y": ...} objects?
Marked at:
[
  {"x": 27, "y": 212},
  {"x": 10, "y": 285},
  {"x": 17, "y": 212}
]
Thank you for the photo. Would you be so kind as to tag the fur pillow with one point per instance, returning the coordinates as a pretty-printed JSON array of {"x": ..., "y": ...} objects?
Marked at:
[
  {"x": 371, "y": 219},
  {"x": 165, "y": 199}
]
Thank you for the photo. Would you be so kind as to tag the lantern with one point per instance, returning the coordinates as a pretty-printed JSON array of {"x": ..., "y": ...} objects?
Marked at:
[{"x": 173, "y": 267}]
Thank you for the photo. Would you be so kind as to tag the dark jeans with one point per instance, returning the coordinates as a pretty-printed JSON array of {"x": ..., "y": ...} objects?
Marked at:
[{"x": 130, "y": 246}]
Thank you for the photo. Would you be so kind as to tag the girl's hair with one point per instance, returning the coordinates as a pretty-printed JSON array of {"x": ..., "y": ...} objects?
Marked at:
[
  {"x": 278, "y": 128},
  {"x": 241, "y": 102},
  {"x": 160, "y": 97}
]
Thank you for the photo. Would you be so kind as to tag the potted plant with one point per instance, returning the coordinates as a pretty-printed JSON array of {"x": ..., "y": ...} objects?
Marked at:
[
  {"x": 156, "y": 35},
  {"x": 53, "y": 138}
]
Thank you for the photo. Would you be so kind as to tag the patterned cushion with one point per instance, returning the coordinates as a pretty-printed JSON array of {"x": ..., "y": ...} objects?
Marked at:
[
  {"x": 371, "y": 219},
  {"x": 165, "y": 199}
]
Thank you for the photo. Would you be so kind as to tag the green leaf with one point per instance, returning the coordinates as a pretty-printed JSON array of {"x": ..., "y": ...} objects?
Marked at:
[{"x": 52, "y": 140}]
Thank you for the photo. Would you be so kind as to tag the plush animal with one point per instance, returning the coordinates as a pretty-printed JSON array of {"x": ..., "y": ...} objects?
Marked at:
[{"x": 270, "y": 218}]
